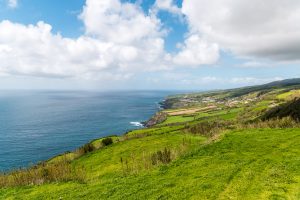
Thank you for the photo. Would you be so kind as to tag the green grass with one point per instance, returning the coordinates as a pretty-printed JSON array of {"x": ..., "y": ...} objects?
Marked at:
[
  {"x": 97, "y": 143},
  {"x": 287, "y": 95},
  {"x": 226, "y": 114},
  {"x": 178, "y": 119},
  {"x": 284, "y": 95},
  {"x": 260, "y": 106},
  {"x": 154, "y": 131},
  {"x": 249, "y": 164}
]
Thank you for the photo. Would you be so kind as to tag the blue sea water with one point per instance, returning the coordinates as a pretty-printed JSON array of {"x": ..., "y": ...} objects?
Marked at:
[{"x": 37, "y": 125}]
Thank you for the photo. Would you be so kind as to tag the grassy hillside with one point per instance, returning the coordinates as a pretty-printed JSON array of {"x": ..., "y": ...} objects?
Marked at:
[
  {"x": 291, "y": 109},
  {"x": 255, "y": 164},
  {"x": 214, "y": 147}
]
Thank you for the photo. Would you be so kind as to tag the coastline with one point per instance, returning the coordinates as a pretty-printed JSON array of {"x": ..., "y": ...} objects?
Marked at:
[
  {"x": 60, "y": 122},
  {"x": 70, "y": 155},
  {"x": 97, "y": 142}
]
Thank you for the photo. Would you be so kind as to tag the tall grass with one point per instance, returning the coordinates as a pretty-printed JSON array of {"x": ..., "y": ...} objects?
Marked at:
[
  {"x": 163, "y": 157},
  {"x": 209, "y": 128},
  {"x": 58, "y": 169},
  {"x": 135, "y": 164},
  {"x": 42, "y": 173},
  {"x": 286, "y": 122}
]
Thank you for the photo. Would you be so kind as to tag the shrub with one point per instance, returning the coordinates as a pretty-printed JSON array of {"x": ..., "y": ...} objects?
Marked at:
[
  {"x": 85, "y": 149},
  {"x": 88, "y": 148},
  {"x": 107, "y": 141}
]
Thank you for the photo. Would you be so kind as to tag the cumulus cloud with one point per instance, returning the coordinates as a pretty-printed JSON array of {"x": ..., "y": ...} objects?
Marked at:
[
  {"x": 119, "y": 40},
  {"x": 264, "y": 29},
  {"x": 195, "y": 51},
  {"x": 34, "y": 50},
  {"x": 12, "y": 3},
  {"x": 117, "y": 22},
  {"x": 167, "y": 5}
]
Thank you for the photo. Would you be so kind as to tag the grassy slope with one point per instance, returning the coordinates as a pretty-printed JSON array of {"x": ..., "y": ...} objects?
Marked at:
[
  {"x": 289, "y": 94},
  {"x": 249, "y": 164},
  {"x": 175, "y": 119}
]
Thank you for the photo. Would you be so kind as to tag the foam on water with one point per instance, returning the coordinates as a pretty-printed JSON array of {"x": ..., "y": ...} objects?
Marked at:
[{"x": 137, "y": 124}]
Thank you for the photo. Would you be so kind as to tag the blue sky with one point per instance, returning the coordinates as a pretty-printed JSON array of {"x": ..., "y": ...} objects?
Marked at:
[{"x": 146, "y": 44}]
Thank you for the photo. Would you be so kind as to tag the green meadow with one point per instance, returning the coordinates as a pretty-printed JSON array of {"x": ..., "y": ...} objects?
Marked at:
[{"x": 245, "y": 164}]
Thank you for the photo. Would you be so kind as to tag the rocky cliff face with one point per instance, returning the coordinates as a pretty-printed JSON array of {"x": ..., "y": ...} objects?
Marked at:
[{"x": 156, "y": 119}]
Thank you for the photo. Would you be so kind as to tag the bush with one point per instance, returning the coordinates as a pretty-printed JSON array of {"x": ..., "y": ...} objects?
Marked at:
[
  {"x": 88, "y": 148},
  {"x": 107, "y": 141},
  {"x": 85, "y": 149}
]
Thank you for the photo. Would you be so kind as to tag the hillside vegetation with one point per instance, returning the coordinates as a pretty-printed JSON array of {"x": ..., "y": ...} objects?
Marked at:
[
  {"x": 232, "y": 144},
  {"x": 291, "y": 109}
]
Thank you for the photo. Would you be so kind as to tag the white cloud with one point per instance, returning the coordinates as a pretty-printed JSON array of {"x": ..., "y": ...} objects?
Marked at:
[
  {"x": 12, "y": 3},
  {"x": 34, "y": 50},
  {"x": 167, "y": 5},
  {"x": 253, "y": 80},
  {"x": 195, "y": 51},
  {"x": 119, "y": 40},
  {"x": 266, "y": 29},
  {"x": 214, "y": 82},
  {"x": 257, "y": 64},
  {"x": 117, "y": 22}
]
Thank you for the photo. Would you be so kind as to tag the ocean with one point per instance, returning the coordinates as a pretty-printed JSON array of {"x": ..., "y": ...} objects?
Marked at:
[{"x": 37, "y": 125}]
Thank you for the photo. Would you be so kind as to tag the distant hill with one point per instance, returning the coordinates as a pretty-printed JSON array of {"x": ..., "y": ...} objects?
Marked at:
[
  {"x": 283, "y": 83},
  {"x": 184, "y": 100},
  {"x": 294, "y": 83}
]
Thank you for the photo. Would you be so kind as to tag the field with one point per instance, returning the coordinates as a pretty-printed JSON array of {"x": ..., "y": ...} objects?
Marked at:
[
  {"x": 224, "y": 152},
  {"x": 289, "y": 95},
  {"x": 242, "y": 165}
]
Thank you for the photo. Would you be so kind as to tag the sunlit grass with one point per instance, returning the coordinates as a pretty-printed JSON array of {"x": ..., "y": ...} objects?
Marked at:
[{"x": 254, "y": 164}]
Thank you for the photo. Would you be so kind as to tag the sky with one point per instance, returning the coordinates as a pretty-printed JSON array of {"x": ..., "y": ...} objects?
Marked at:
[{"x": 147, "y": 44}]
